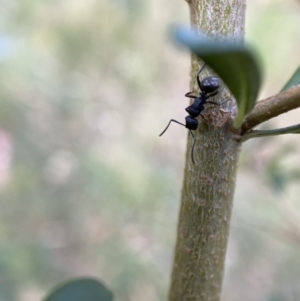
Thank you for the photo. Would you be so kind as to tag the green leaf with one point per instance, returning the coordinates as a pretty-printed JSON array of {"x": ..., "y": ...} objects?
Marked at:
[
  {"x": 293, "y": 81},
  {"x": 235, "y": 64},
  {"x": 83, "y": 289}
]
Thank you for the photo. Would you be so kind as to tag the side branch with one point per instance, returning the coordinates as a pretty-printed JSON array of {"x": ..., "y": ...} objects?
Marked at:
[
  {"x": 272, "y": 107},
  {"x": 294, "y": 129}
]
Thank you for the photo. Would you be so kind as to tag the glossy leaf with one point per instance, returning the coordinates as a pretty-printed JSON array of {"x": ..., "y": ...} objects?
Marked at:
[
  {"x": 235, "y": 64},
  {"x": 83, "y": 289},
  {"x": 293, "y": 81}
]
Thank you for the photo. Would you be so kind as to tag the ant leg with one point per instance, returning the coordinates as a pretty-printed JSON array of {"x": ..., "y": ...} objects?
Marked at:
[
  {"x": 202, "y": 117},
  {"x": 212, "y": 94},
  {"x": 227, "y": 99},
  {"x": 192, "y": 152},
  {"x": 219, "y": 104},
  {"x": 198, "y": 80},
  {"x": 169, "y": 125},
  {"x": 189, "y": 94},
  {"x": 215, "y": 103}
]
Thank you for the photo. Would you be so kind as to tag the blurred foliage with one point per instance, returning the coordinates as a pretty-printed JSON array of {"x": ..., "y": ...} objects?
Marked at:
[
  {"x": 86, "y": 185},
  {"x": 87, "y": 289},
  {"x": 82, "y": 187},
  {"x": 293, "y": 81}
]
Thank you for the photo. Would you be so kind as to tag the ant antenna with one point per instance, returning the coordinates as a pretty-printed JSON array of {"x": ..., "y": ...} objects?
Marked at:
[
  {"x": 201, "y": 69},
  {"x": 198, "y": 74}
]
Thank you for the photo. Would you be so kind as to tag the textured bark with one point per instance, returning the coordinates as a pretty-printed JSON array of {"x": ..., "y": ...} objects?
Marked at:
[{"x": 209, "y": 184}]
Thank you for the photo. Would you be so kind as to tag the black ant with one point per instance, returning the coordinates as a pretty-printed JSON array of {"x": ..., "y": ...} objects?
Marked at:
[{"x": 209, "y": 87}]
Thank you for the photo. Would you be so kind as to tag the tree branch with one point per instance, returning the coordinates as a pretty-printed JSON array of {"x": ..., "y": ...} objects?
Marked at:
[
  {"x": 294, "y": 129},
  {"x": 272, "y": 107},
  {"x": 208, "y": 188}
]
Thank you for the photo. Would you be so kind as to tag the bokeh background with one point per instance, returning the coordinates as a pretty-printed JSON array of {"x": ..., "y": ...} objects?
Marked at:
[{"x": 86, "y": 185}]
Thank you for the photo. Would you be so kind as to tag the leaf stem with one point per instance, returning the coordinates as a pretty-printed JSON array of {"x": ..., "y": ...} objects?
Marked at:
[{"x": 294, "y": 129}]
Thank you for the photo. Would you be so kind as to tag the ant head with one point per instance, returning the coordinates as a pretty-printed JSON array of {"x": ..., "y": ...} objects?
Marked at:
[{"x": 210, "y": 84}]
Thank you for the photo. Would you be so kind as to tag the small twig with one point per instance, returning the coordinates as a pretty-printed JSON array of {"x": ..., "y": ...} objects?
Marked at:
[
  {"x": 272, "y": 107},
  {"x": 294, "y": 129}
]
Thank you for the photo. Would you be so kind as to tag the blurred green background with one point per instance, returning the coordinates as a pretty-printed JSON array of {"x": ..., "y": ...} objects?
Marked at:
[{"x": 86, "y": 185}]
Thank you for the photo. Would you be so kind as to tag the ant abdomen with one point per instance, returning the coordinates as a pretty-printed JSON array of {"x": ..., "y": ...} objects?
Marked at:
[{"x": 191, "y": 123}]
